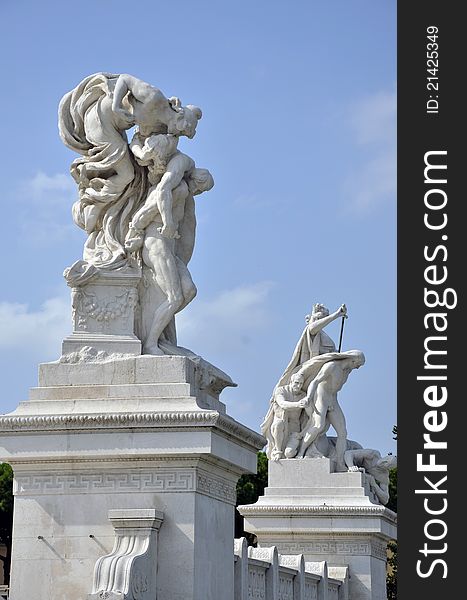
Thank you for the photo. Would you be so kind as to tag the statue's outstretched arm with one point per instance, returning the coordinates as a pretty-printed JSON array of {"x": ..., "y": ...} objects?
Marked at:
[
  {"x": 122, "y": 86},
  {"x": 141, "y": 151},
  {"x": 187, "y": 230},
  {"x": 177, "y": 166},
  {"x": 283, "y": 403},
  {"x": 125, "y": 84},
  {"x": 311, "y": 391},
  {"x": 315, "y": 326},
  {"x": 349, "y": 458}
]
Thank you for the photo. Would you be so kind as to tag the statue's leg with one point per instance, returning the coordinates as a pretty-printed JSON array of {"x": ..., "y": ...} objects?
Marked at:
[
  {"x": 189, "y": 292},
  {"x": 158, "y": 256},
  {"x": 337, "y": 420},
  {"x": 188, "y": 287},
  {"x": 292, "y": 445},
  {"x": 147, "y": 212},
  {"x": 317, "y": 424},
  {"x": 278, "y": 435}
]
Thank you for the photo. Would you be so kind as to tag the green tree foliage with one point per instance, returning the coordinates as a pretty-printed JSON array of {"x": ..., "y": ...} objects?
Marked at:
[
  {"x": 249, "y": 489},
  {"x": 392, "y": 504},
  {"x": 391, "y": 577},
  {"x": 6, "y": 515}
]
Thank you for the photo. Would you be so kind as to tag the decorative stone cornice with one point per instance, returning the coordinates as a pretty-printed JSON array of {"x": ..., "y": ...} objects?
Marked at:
[
  {"x": 106, "y": 420},
  {"x": 232, "y": 427},
  {"x": 348, "y": 544},
  {"x": 334, "y": 511},
  {"x": 280, "y": 536},
  {"x": 160, "y": 420}
]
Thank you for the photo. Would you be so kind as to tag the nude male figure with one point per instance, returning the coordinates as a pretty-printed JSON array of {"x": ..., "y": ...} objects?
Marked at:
[
  {"x": 376, "y": 466},
  {"x": 323, "y": 408},
  {"x": 154, "y": 227},
  {"x": 288, "y": 402}
]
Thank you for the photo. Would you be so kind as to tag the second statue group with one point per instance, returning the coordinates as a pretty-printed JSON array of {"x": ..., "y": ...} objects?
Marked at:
[{"x": 304, "y": 406}]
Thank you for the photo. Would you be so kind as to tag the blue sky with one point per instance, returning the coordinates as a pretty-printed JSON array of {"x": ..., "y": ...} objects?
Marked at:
[{"x": 298, "y": 129}]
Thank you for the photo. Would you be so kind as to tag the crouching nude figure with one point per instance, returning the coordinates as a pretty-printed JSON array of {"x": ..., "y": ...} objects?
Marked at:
[{"x": 282, "y": 424}]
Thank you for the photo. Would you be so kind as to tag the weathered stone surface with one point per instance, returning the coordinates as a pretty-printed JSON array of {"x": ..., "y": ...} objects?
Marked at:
[
  {"x": 307, "y": 509},
  {"x": 150, "y": 434}
]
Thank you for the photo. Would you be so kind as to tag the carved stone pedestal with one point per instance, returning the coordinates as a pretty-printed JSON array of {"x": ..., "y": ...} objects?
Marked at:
[
  {"x": 142, "y": 435},
  {"x": 328, "y": 516},
  {"x": 103, "y": 313}
]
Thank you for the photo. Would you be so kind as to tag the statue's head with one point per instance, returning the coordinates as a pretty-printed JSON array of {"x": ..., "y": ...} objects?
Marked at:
[
  {"x": 319, "y": 311},
  {"x": 199, "y": 181},
  {"x": 184, "y": 119},
  {"x": 356, "y": 358},
  {"x": 162, "y": 148},
  {"x": 296, "y": 382}
]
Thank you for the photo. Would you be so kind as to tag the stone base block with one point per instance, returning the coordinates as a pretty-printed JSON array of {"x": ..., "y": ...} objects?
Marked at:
[
  {"x": 103, "y": 311},
  {"x": 106, "y": 303},
  {"x": 143, "y": 433},
  {"x": 126, "y": 384},
  {"x": 62, "y": 532},
  {"x": 311, "y": 482},
  {"x": 101, "y": 342},
  {"x": 308, "y": 510}
]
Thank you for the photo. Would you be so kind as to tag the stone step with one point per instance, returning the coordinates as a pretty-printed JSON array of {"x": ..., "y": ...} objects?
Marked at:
[
  {"x": 63, "y": 406},
  {"x": 141, "y": 390}
]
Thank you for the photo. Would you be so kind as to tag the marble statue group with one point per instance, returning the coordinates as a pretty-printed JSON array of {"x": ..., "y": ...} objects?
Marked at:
[
  {"x": 136, "y": 205},
  {"x": 136, "y": 200},
  {"x": 125, "y": 458},
  {"x": 304, "y": 406}
]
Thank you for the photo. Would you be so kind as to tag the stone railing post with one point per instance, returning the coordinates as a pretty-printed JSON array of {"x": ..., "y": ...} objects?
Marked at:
[
  {"x": 241, "y": 569},
  {"x": 264, "y": 573},
  {"x": 319, "y": 568},
  {"x": 296, "y": 562},
  {"x": 341, "y": 574},
  {"x": 270, "y": 556}
]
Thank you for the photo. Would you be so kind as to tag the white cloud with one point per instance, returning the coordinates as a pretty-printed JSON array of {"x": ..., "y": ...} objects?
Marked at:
[
  {"x": 45, "y": 202},
  {"x": 373, "y": 182},
  {"x": 249, "y": 201},
  {"x": 226, "y": 322},
  {"x": 51, "y": 189},
  {"x": 374, "y": 118},
  {"x": 38, "y": 332}
]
